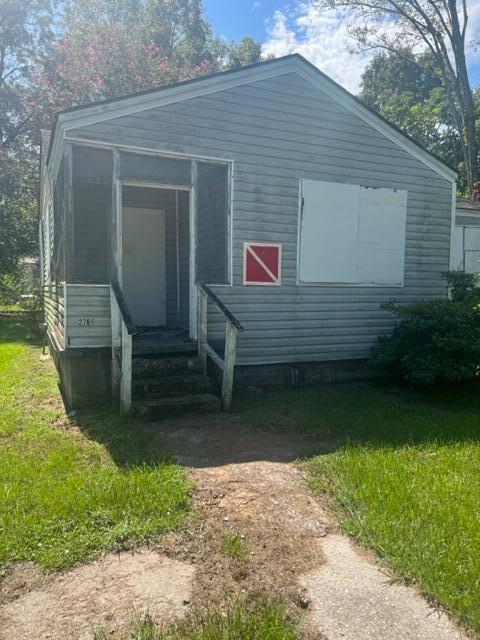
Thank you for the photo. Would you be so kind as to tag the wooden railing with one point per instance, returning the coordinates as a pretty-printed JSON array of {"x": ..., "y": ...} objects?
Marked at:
[
  {"x": 233, "y": 326},
  {"x": 123, "y": 328}
]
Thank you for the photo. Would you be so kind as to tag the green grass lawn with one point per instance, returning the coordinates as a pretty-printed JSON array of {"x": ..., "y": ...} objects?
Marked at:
[
  {"x": 237, "y": 622},
  {"x": 404, "y": 469},
  {"x": 66, "y": 493}
]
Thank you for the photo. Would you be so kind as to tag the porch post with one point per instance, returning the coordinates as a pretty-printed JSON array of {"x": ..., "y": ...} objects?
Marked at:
[
  {"x": 68, "y": 243},
  {"x": 193, "y": 250},
  {"x": 116, "y": 220}
]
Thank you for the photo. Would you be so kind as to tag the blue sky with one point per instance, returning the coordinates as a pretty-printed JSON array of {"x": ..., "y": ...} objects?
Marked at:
[{"x": 284, "y": 26}]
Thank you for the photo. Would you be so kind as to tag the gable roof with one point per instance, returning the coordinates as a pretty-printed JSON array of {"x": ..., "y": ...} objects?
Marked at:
[{"x": 84, "y": 115}]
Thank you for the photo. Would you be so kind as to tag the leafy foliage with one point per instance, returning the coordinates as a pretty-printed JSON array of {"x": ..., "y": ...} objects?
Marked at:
[
  {"x": 434, "y": 26},
  {"x": 18, "y": 209},
  {"x": 463, "y": 286},
  {"x": 55, "y": 55},
  {"x": 436, "y": 341},
  {"x": 407, "y": 90}
]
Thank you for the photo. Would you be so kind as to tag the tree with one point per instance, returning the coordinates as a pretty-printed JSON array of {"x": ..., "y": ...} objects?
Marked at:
[
  {"x": 109, "y": 49},
  {"x": 18, "y": 209},
  {"x": 436, "y": 26},
  {"x": 106, "y": 61},
  {"x": 408, "y": 92}
]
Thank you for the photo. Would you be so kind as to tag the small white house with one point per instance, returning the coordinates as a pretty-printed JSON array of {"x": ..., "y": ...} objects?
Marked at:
[{"x": 265, "y": 201}]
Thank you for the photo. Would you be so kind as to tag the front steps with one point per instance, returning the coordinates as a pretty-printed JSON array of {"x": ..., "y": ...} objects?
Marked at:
[{"x": 167, "y": 385}]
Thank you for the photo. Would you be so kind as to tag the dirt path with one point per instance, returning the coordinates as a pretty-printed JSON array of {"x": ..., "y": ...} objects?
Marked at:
[
  {"x": 247, "y": 483},
  {"x": 247, "y": 487}
]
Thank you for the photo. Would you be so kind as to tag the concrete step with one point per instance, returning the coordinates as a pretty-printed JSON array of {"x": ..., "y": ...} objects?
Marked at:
[
  {"x": 159, "y": 408},
  {"x": 153, "y": 348},
  {"x": 167, "y": 386},
  {"x": 147, "y": 367}
]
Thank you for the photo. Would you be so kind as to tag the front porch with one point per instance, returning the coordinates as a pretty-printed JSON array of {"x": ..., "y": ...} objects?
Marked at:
[{"x": 141, "y": 232}]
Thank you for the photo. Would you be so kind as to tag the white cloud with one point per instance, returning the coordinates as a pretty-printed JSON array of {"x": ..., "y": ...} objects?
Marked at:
[{"x": 322, "y": 37}]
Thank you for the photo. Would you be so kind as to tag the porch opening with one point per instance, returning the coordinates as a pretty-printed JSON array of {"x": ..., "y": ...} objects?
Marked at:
[{"x": 156, "y": 256}]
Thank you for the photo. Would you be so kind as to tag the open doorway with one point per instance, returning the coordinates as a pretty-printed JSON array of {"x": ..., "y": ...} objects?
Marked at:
[{"x": 155, "y": 252}]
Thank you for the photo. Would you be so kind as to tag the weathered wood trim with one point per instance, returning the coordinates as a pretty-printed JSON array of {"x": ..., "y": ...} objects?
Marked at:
[
  {"x": 202, "y": 328},
  {"x": 193, "y": 251},
  {"x": 177, "y": 249},
  {"x": 68, "y": 242},
  {"x": 116, "y": 343},
  {"x": 66, "y": 339},
  {"x": 151, "y": 184},
  {"x": 116, "y": 220},
  {"x": 213, "y": 355},
  {"x": 452, "y": 229},
  {"x": 228, "y": 372},
  {"x": 229, "y": 317},
  {"x": 147, "y": 151},
  {"x": 123, "y": 308},
  {"x": 126, "y": 378},
  {"x": 264, "y": 71}
]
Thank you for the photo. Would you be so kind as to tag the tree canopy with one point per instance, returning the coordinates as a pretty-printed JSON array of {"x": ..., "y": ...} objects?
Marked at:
[
  {"x": 408, "y": 91},
  {"x": 436, "y": 27},
  {"x": 55, "y": 54}
]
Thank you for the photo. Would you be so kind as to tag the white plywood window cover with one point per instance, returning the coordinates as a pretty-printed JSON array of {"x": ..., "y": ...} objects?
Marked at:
[{"x": 351, "y": 234}]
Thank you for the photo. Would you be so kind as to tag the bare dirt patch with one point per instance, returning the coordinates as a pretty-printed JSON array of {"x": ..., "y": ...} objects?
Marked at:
[
  {"x": 108, "y": 592},
  {"x": 246, "y": 486}
]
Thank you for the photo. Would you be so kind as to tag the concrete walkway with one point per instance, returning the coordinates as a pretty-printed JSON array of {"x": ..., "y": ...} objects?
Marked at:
[{"x": 345, "y": 594}]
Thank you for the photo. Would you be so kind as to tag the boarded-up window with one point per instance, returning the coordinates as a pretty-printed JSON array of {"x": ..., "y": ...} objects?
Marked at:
[
  {"x": 465, "y": 249},
  {"x": 352, "y": 234}
]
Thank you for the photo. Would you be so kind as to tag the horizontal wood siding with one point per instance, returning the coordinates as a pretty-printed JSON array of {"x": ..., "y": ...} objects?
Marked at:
[
  {"x": 54, "y": 309},
  {"x": 276, "y": 132},
  {"x": 88, "y": 316},
  {"x": 467, "y": 221}
]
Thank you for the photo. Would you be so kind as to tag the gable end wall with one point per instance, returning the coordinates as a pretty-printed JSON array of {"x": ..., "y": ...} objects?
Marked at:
[{"x": 276, "y": 132}]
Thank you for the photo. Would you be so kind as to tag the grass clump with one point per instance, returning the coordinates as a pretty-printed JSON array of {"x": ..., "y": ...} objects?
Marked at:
[
  {"x": 403, "y": 466},
  {"x": 267, "y": 621},
  {"x": 234, "y": 546},
  {"x": 69, "y": 492}
]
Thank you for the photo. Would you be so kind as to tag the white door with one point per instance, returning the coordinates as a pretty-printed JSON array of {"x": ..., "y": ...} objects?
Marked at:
[{"x": 143, "y": 265}]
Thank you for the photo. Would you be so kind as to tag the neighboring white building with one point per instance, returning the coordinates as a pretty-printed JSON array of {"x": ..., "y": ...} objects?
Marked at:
[{"x": 465, "y": 252}]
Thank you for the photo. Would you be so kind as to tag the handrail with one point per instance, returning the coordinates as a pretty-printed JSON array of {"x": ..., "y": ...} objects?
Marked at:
[
  {"x": 233, "y": 326},
  {"x": 221, "y": 307},
  {"x": 122, "y": 305},
  {"x": 123, "y": 328}
]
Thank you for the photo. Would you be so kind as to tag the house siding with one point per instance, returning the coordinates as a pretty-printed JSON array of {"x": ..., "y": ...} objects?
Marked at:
[{"x": 276, "y": 132}]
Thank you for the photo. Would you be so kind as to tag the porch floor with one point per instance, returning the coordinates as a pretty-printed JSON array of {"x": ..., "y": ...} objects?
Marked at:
[{"x": 162, "y": 341}]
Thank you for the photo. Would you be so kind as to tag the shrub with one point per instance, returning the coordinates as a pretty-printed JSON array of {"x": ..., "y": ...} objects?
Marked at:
[
  {"x": 436, "y": 341},
  {"x": 462, "y": 286}
]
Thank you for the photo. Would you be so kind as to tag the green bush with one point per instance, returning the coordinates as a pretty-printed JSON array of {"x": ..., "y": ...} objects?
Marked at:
[
  {"x": 436, "y": 341},
  {"x": 462, "y": 286}
]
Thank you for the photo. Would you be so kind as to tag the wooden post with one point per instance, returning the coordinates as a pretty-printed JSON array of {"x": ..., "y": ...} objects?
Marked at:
[
  {"x": 68, "y": 240},
  {"x": 116, "y": 344},
  {"x": 126, "y": 380},
  {"x": 228, "y": 371},
  {"x": 193, "y": 321},
  {"x": 116, "y": 222},
  {"x": 202, "y": 328}
]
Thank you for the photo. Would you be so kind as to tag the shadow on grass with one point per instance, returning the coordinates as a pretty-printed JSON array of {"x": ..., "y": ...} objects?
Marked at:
[
  {"x": 128, "y": 442},
  {"x": 281, "y": 426},
  {"x": 20, "y": 329},
  {"x": 376, "y": 414}
]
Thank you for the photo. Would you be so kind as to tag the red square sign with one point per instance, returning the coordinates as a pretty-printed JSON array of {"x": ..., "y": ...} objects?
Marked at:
[{"x": 262, "y": 263}]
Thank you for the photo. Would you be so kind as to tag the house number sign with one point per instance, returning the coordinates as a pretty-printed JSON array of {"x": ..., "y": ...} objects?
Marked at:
[{"x": 86, "y": 322}]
